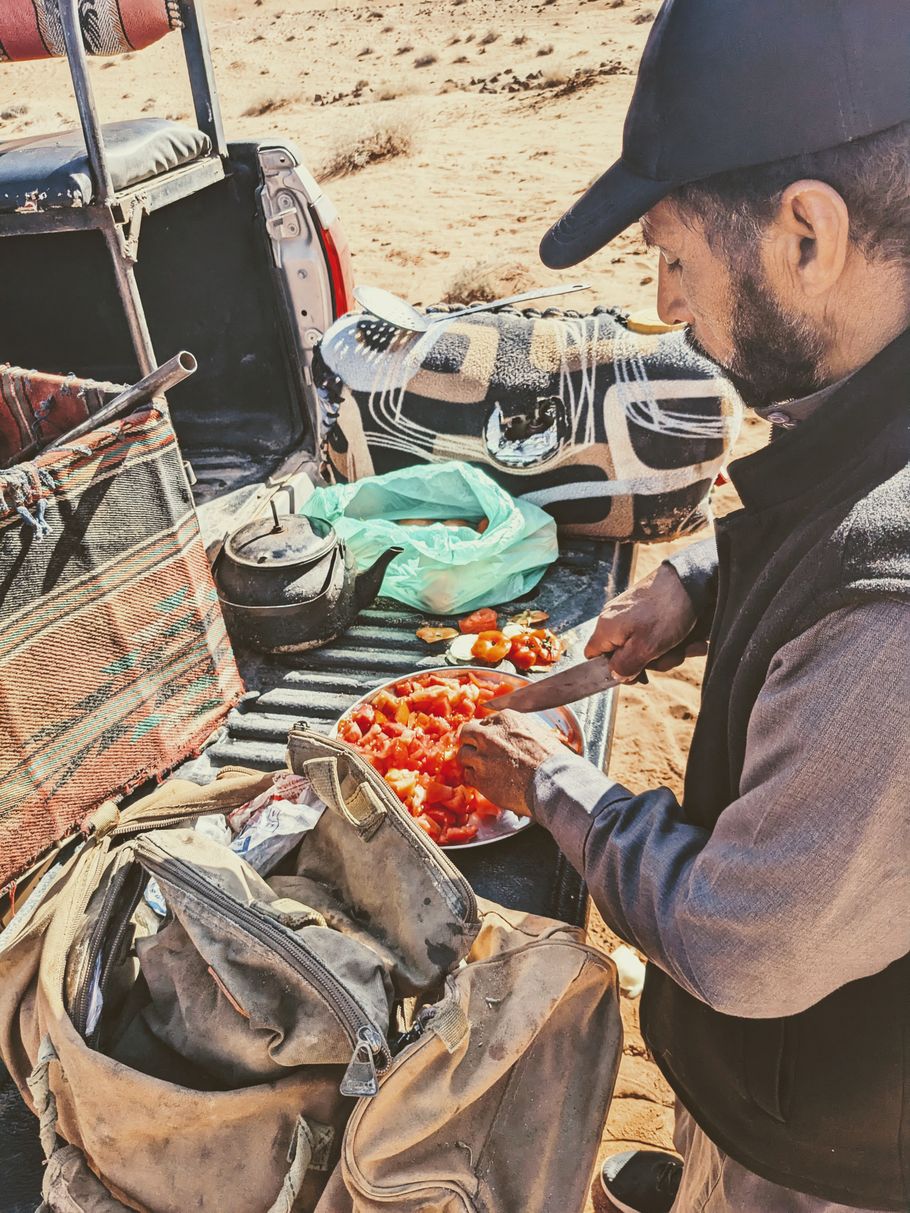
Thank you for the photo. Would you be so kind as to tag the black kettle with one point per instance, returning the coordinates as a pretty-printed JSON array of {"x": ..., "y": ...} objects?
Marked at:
[{"x": 289, "y": 584}]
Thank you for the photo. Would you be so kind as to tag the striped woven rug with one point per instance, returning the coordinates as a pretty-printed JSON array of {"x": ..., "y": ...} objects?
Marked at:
[{"x": 114, "y": 662}]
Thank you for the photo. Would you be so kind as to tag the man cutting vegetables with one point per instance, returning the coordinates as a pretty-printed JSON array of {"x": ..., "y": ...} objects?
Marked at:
[{"x": 767, "y": 151}]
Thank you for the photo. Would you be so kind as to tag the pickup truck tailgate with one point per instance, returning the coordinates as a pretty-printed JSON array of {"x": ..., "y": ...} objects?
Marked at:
[{"x": 525, "y": 872}]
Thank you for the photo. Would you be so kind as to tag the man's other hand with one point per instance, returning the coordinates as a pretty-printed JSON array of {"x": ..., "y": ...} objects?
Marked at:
[
  {"x": 646, "y": 626},
  {"x": 501, "y": 753}
]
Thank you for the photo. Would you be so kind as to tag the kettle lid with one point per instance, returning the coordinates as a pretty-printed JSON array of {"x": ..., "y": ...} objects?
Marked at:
[{"x": 286, "y": 542}]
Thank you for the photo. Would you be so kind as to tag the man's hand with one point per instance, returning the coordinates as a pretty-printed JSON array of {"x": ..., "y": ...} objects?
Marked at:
[
  {"x": 643, "y": 625},
  {"x": 500, "y": 755}
]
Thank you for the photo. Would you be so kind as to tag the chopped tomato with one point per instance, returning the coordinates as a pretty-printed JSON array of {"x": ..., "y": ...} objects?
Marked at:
[
  {"x": 484, "y": 807},
  {"x": 484, "y": 620},
  {"x": 411, "y": 739},
  {"x": 459, "y": 834},
  {"x": 352, "y": 732},
  {"x": 491, "y": 647}
]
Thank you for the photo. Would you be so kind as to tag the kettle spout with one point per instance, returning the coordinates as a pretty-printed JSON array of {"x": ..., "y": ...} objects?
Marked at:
[{"x": 368, "y": 583}]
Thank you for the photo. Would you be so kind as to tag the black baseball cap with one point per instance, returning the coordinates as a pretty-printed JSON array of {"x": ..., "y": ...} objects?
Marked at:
[{"x": 725, "y": 84}]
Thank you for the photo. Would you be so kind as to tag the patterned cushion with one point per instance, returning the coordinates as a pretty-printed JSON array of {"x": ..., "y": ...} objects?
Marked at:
[
  {"x": 617, "y": 434},
  {"x": 31, "y": 29},
  {"x": 52, "y": 170}
]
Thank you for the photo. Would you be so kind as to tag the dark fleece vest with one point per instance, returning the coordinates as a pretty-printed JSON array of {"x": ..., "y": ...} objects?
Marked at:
[{"x": 818, "y": 1101}]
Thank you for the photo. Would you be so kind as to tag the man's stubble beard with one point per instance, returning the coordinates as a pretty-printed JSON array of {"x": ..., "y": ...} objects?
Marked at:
[{"x": 776, "y": 356}]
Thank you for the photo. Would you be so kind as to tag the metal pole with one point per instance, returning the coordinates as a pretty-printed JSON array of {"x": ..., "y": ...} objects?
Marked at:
[
  {"x": 85, "y": 100},
  {"x": 164, "y": 377},
  {"x": 202, "y": 77},
  {"x": 103, "y": 187},
  {"x": 128, "y": 290}
]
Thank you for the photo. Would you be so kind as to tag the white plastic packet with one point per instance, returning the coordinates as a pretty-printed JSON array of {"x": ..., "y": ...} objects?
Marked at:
[{"x": 268, "y": 827}]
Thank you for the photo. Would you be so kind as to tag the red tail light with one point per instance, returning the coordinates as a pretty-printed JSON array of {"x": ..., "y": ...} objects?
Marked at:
[{"x": 341, "y": 273}]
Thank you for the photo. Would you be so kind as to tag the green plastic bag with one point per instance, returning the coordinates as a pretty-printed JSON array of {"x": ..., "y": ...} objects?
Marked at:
[{"x": 442, "y": 570}]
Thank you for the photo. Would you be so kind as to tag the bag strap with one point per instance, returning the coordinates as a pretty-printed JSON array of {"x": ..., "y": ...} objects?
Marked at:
[
  {"x": 39, "y": 1086},
  {"x": 362, "y": 807},
  {"x": 317, "y": 758},
  {"x": 310, "y": 1150}
]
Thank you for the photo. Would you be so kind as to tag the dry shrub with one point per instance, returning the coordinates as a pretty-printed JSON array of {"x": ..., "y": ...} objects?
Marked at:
[
  {"x": 392, "y": 89},
  {"x": 562, "y": 81},
  {"x": 387, "y": 29},
  {"x": 426, "y": 60},
  {"x": 488, "y": 38},
  {"x": 383, "y": 140},
  {"x": 556, "y": 76},
  {"x": 483, "y": 281},
  {"x": 519, "y": 39},
  {"x": 266, "y": 105},
  {"x": 13, "y": 111},
  {"x": 404, "y": 50},
  {"x": 545, "y": 50},
  {"x": 461, "y": 59},
  {"x": 643, "y": 17}
]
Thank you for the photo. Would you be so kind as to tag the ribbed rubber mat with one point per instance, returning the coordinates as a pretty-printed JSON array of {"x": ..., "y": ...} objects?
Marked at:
[{"x": 382, "y": 645}]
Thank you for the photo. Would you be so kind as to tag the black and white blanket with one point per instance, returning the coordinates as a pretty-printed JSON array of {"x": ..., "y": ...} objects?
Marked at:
[{"x": 618, "y": 434}]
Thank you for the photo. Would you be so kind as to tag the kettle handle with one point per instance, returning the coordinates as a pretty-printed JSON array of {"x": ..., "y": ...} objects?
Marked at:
[{"x": 288, "y": 488}]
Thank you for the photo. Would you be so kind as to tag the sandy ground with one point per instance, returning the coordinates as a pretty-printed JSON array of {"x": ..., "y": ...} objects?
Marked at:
[{"x": 515, "y": 108}]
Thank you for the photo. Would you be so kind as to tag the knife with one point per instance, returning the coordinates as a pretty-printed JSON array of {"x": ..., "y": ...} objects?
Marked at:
[{"x": 577, "y": 682}]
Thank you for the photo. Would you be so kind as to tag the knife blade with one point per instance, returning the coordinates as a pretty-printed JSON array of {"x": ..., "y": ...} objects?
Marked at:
[{"x": 567, "y": 686}]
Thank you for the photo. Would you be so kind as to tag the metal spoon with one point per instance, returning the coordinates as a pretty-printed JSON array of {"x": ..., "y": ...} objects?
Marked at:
[{"x": 395, "y": 311}]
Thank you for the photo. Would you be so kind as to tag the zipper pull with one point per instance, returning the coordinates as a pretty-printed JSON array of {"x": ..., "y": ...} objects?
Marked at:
[{"x": 360, "y": 1076}]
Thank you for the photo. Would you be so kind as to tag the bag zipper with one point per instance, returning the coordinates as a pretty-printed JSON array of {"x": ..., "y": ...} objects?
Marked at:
[
  {"x": 96, "y": 941},
  {"x": 433, "y": 852},
  {"x": 132, "y": 889},
  {"x": 371, "y": 1055}
]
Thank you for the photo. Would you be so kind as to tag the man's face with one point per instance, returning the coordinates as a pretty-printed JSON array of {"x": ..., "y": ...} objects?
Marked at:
[{"x": 735, "y": 315}]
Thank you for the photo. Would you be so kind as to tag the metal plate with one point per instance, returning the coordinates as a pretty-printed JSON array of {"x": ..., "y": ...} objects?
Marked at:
[{"x": 562, "y": 719}]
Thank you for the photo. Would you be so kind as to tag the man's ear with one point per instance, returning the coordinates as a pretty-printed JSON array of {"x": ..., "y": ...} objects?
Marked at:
[{"x": 812, "y": 227}]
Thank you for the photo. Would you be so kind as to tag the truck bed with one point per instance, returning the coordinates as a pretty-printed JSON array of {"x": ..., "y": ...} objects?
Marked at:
[{"x": 526, "y": 871}]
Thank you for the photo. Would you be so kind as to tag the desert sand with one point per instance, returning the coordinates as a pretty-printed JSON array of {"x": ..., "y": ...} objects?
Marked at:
[{"x": 501, "y": 113}]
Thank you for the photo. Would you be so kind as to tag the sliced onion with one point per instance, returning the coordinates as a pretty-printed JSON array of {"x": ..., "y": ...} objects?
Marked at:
[{"x": 462, "y": 648}]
